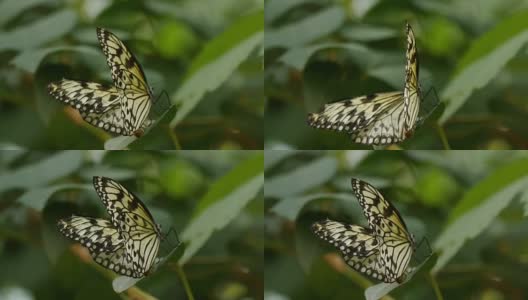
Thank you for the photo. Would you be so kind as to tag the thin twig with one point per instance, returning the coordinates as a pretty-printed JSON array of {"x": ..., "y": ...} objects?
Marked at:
[
  {"x": 185, "y": 282},
  {"x": 443, "y": 136}
]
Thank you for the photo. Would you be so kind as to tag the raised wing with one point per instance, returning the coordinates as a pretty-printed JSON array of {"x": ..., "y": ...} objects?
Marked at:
[
  {"x": 376, "y": 207},
  {"x": 129, "y": 77},
  {"x": 396, "y": 243},
  {"x": 119, "y": 201},
  {"x": 126, "y": 71},
  {"x": 412, "y": 86},
  {"x": 136, "y": 224}
]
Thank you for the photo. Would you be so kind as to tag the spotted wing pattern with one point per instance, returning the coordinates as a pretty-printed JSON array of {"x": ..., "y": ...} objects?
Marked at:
[
  {"x": 129, "y": 242},
  {"x": 351, "y": 240},
  {"x": 103, "y": 240},
  {"x": 128, "y": 76},
  {"x": 358, "y": 246},
  {"x": 411, "y": 92},
  {"x": 95, "y": 234},
  {"x": 381, "y": 118},
  {"x": 120, "y": 109},
  {"x": 137, "y": 225},
  {"x": 382, "y": 251},
  {"x": 98, "y": 105}
]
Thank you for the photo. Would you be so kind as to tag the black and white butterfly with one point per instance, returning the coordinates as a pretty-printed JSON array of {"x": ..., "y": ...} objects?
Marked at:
[
  {"x": 381, "y": 118},
  {"x": 383, "y": 250},
  {"x": 129, "y": 242}
]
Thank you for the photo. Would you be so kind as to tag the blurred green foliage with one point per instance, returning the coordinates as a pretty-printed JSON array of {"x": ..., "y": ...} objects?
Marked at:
[
  {"x": 468, "y": 204},
  {"x": 203, "y": 54},
  {"x": 470, "y": 52},
  {"x": 214, "y": 202}
]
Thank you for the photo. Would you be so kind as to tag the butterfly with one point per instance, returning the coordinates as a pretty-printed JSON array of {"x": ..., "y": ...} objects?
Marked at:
[
  {"x": 381, "y": 118},
  {"x": 122, "y": 108},
  {"x": 128, "y": 243},
  {"x": 383, "y": 250}
]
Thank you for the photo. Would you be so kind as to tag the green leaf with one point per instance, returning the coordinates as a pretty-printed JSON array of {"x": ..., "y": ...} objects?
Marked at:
[
  {"x": 217, "y": 61},
  {"x": 480, "y": 207},
  {"x": 37, "y": 198},
  {"x": 9, "y": 9},
  {"x": 43, "y": 171},
  {"x": 29, "y": 60},
  {"x": 524, "y": 199},
  {"x": 368, "y": 33},
  {"x": 274, "y": 157},
  {"x": 497, "y": 181},
  {"x": 289, "y": 208},
  {"x": 39, "y": 32},
  {"x": 223, "y": 203},
  {"x": 301, "y": 179},
  {"x": 250, "y": 168},
  {"x": 297, "y": 57},
  {"x": 276, "y": 8},
  {"x": 306, "y": 30},
  {"x": 483, "y": 61}
]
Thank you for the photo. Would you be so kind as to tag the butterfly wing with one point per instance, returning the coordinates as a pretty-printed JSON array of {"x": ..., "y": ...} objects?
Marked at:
[
  {"x": 126, "y": 71},
  {"x": 95, "y": 234},
  {"x": 134, "y": 221},
  {"x": 135, "y": 107},
  {"x": 395, "y": 250},
  {"x": 128, "y": 76},
  {"x": 89, "y": 97},
  {"x": 397, "y": 244},
  {"x": 98, "y": 105},
  {"x": 143, "y": 241},
  {"x": 116, "y": 261},
  {"x": 358, "y": 246},
  {"x": 373, "y": 119},
  {"x": 103, "y": 240},
  {"x": 412, "y": 87},
  {"x": 351, "y": 240},
  {"x": 378, "y": 119}
]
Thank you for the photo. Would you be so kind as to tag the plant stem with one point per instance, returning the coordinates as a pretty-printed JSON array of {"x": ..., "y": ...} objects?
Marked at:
[
  {"x": 184, "y": 281},
  {"x": 436, "y": 288},
  {"x": 443, "y": 136},
  {"x": 174, "y": 139}
]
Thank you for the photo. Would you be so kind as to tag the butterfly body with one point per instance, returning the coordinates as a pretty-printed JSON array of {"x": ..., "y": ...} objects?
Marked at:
[
  {"x": 128, "y": 243},
  {"x": 381, "y": 118},
  {"x": 381, "y": 251},
  {"x": 122, "y": 108}
]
